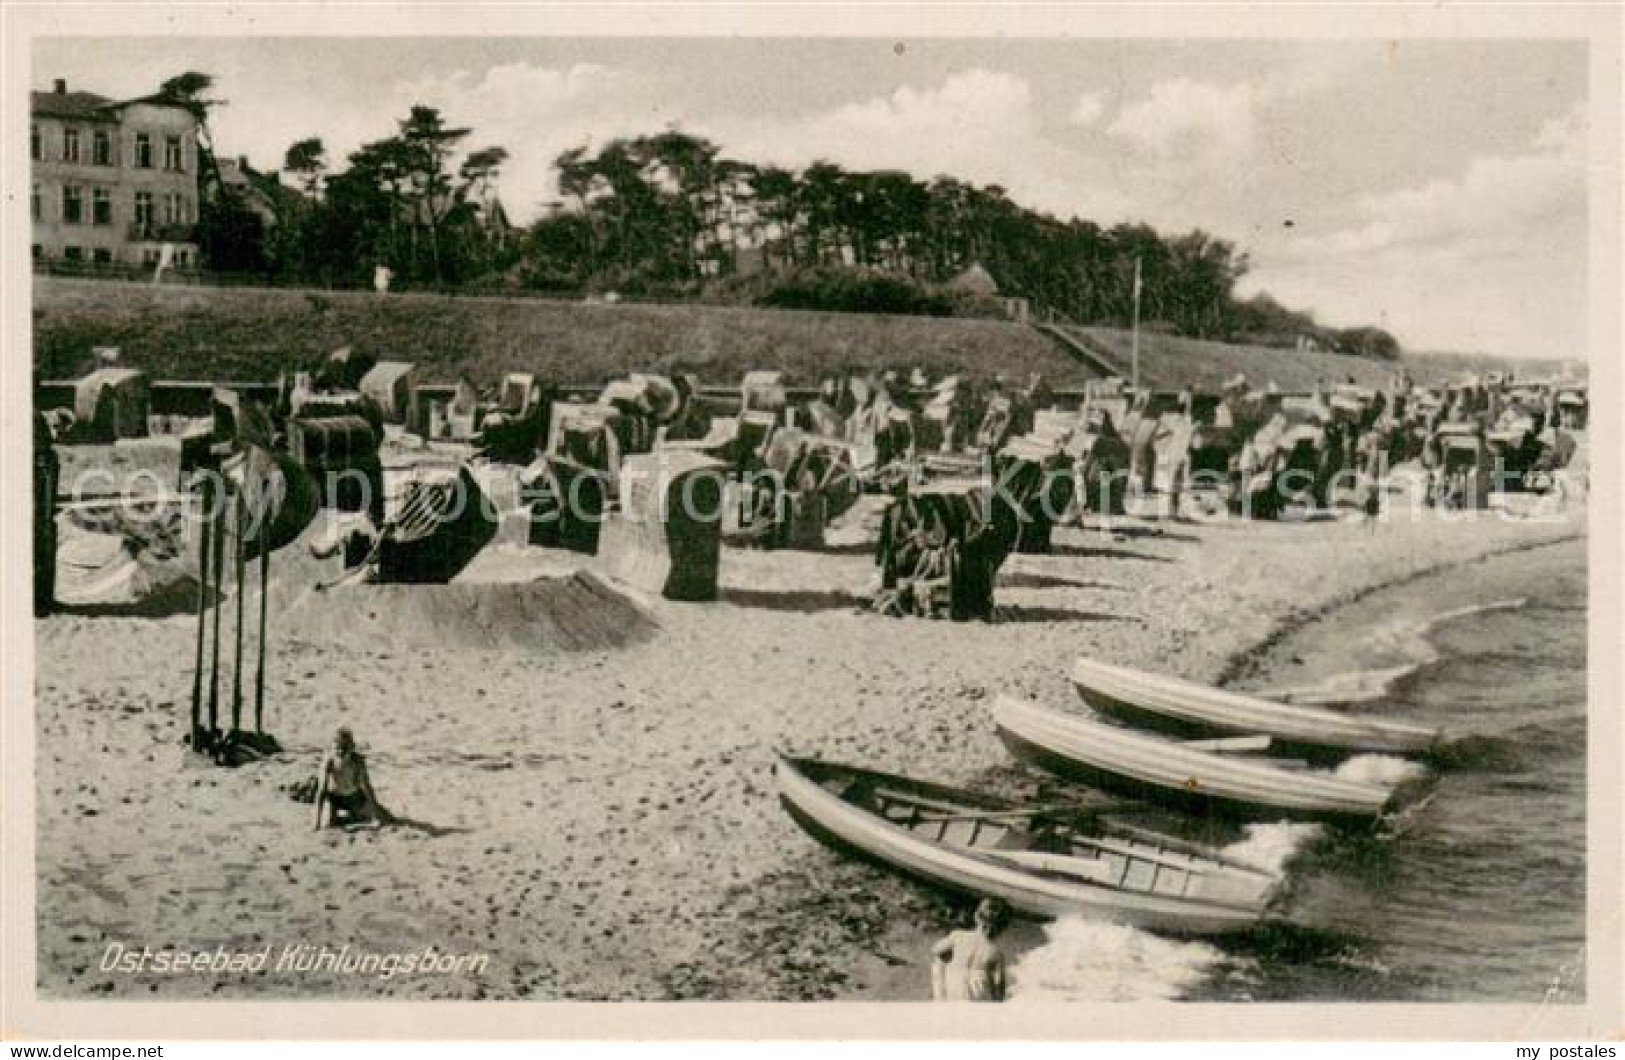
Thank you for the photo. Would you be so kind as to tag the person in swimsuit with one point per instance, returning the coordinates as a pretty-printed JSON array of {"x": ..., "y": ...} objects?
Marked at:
[
  {"x": 968, "y": 965},
  {"x": 344, "y": 790}
]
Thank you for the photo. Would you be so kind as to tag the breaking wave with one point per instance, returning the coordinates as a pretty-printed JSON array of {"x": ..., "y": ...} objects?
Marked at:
[
  {"x": 1407, "y": 641},
  {"x": 1085, "y": 960},
  {"x": 1382, "y": 770},
  {"x": 1273, "y": 846}
]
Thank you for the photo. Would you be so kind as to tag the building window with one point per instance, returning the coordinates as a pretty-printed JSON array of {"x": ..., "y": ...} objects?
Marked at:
[
  {"x": 34, "y": 142},
  {"x": 73, "y": 253},
  {"x": 184, "y": 257},
  {"x": 174, "y": 208},
  {"x": 39, "y": 251},
  {"x": 101, "y": 256},
  {"x": 172, "y": 153},
  {"x": 101, "y": 206},
  {"x": 101, "y": 147},
  {"x": 143, "y": 151},
  {"x": 73, "y": 204},
  {"x": 143, "y": 210},
  {"x": 37, "y": 204},
  {"x": 70, "y": 145},
  {"x": 149, "y": 256}
]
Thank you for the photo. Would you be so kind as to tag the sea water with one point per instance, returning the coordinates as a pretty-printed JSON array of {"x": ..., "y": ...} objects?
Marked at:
[{"x": 1482, "y": 896}]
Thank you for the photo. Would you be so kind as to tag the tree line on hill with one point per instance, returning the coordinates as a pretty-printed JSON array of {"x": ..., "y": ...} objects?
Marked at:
[{"x": 668, "y": 216}]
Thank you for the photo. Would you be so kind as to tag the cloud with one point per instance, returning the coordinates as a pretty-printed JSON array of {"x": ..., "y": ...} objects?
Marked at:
[
  {"x": 1498, "y": 201},
  {"x": 1491, "y": 258},
  {"x": 1088, "y": 110},
  {"x": 979, "y": 125},
  {"x": 536, "y": 113},
  {"x": 517, "y": 95},
  {"x": 1183, "y": 126},
  {"x": 924, "y": 129}
]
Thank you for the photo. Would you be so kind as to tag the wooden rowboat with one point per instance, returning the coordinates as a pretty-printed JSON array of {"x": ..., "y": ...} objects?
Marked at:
[
  {"x": 1198, "y": 778},
  {"x": 1045, "y": 864},
  {"x": 1187, "y": 709}
]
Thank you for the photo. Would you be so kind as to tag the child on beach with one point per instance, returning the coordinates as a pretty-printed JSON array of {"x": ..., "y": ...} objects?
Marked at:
[
  {"x": 344, "y": 790},
  {"x": 968, "y": 965}
]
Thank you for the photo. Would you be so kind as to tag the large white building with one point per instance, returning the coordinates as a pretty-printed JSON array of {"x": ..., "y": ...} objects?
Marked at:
[{"x": 113, "y": 182}]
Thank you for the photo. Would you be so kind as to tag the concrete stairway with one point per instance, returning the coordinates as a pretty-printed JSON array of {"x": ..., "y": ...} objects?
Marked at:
[{"x": 1092, "y": 355}]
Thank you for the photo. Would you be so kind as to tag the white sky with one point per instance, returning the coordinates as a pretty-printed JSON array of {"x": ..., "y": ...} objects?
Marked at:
[{"x": 1436, "y": 188}]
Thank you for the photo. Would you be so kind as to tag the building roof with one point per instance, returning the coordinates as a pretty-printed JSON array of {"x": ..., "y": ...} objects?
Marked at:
[
  {"x": 88, "y": 106},
  {"x": 234, "y": 173},
  {"x": 262, "y": 193},
  {"x": 489, "y": 214},
  {"x": 975, "y": 280},
  {"x": 237, "y": 174},
  {"x": 158, "y": 99},
  {"x": 82, "y": 106}
]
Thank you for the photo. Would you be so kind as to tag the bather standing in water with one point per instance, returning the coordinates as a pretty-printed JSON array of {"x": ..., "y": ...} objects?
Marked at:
[{"x": 969, "y": 965}]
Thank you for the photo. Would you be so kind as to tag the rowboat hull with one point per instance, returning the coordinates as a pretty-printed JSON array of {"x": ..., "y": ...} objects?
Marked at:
[
  {"x": 1192, "y": 711},
  {"x": 1198, "y": 782},
  {"x": 1237, "y": 898}
]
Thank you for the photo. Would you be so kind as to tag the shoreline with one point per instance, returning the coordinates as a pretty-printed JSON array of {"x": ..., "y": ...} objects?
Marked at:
[
  {"x": 1248, "y": 664},
  {"x": 1497, "y": 658}
]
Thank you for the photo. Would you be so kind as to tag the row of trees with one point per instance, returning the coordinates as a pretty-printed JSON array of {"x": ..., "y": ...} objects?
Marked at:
[
  {"x": 1263, "y": 320},
  {"x": 669, "y": 212},
  {"x": 397, "y": 202},
  {"x": 668, "y": 215}
]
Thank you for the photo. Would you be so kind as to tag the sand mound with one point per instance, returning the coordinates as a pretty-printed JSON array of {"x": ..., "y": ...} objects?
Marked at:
[
  {"x": 573, "y": 613},
  {"x": 129, "y": 588}
]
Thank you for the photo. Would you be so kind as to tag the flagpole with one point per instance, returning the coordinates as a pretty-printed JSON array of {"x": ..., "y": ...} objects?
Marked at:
[{"x": 1134, "y": 382}]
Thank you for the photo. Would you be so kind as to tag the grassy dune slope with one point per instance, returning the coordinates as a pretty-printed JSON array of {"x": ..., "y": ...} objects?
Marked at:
[
  {"x": 1168, "y": 361},
  {"x": 252, "y": 333}
]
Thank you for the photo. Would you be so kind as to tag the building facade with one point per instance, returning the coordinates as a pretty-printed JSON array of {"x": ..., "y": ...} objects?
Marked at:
[{"x": 113, "y": 183}]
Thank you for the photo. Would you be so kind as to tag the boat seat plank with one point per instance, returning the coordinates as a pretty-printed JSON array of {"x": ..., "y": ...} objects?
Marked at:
[
  {"x": 1230, "y": 744},
  {"x": 1152, "y": 856},
  {"x": 1089, "y": 869},
  {"x": 1140, "y": 876}
]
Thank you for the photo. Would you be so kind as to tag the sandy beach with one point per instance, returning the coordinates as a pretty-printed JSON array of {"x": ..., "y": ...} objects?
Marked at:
[{"x": 591, "y": 797}]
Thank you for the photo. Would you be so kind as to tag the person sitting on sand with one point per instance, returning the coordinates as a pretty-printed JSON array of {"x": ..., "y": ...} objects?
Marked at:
[
  {"x": 968, "y": 965},
  {"x": 344, "y": 790}
]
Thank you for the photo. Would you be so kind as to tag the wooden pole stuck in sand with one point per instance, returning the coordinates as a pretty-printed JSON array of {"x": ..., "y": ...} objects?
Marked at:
[
  {"x": 232, "y": 515},
  {"x": 259, "y": 674},
  {"x": 216, "y": 570},
  {"x": 205, "y": 543},
  {"x": 238, "y": 567}
]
